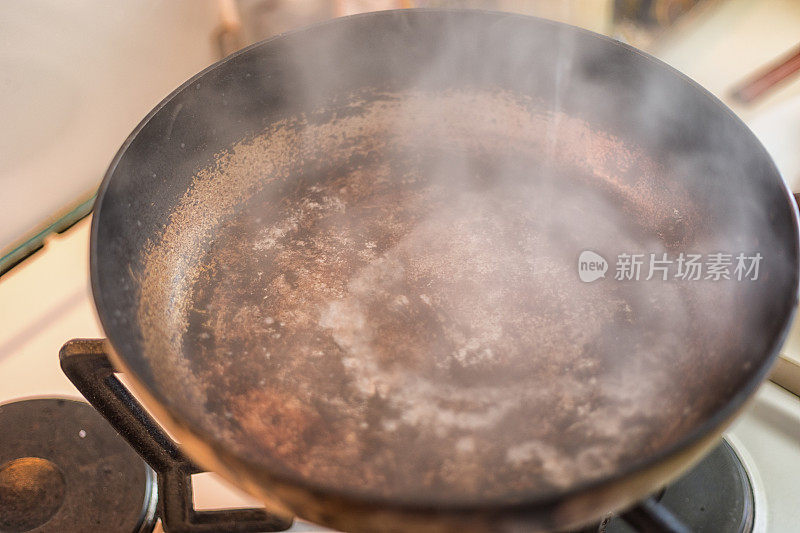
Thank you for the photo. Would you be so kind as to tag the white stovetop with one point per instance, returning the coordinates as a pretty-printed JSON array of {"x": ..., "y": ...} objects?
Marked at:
[{"x": 75, "y": 79}]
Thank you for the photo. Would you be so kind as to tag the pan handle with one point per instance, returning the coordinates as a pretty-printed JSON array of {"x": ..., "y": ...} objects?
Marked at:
[{"x": 85, "y": 362}]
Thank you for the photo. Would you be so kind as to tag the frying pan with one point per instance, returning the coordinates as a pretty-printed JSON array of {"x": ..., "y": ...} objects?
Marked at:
[{"x": 341, "y": 267}]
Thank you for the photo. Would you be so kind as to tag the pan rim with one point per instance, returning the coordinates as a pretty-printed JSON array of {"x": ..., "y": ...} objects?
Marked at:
[{"x": 521, "y": 502}]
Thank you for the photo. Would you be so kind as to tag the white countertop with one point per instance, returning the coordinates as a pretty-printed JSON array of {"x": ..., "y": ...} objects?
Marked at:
[{"x": 75, "y": 79}]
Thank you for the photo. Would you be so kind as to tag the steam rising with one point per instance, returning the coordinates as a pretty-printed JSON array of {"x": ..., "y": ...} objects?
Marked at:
[{"x": 387, "y": 283}]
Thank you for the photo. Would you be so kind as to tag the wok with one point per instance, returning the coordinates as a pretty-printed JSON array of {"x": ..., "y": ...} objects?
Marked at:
[{"x": 341, "y": 266}]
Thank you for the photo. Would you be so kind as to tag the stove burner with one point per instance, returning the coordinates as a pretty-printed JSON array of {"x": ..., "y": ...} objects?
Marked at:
[
  {"x": 64, "y": 468},
  {"x": 31, "y": 492},
  {"x": 716, "y": 496}
]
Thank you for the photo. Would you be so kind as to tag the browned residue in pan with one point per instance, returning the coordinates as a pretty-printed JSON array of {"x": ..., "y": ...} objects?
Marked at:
[{"x": 385, "y": 299}]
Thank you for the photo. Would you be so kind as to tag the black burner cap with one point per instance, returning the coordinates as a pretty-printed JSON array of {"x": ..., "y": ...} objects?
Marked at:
[{"x": 64, "y": 469}]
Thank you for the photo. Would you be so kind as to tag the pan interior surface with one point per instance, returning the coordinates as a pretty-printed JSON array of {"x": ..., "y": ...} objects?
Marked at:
[{"x": 388, "y": 301}]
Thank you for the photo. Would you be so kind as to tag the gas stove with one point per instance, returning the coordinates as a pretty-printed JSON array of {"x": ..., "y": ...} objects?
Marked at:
[
  {"x": 746, "y": 484},
  {"x": 80, "y": 475}
]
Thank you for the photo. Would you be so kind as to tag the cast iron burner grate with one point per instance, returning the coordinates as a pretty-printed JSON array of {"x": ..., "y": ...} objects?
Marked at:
[
  {"x": 716, "y": 496},
  {"x": 86, "y": 364}
]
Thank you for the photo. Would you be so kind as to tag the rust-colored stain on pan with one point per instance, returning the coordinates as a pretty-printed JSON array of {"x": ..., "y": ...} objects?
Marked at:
[{"x": 383, "y": 297}]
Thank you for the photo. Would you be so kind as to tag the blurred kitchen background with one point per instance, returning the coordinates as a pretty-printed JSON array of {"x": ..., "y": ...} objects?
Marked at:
[{"x": 76, "y": 77}]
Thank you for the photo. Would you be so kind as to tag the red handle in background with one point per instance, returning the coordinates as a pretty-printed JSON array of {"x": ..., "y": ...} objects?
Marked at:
[{"x": 763, "y": 81}]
